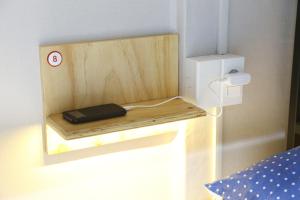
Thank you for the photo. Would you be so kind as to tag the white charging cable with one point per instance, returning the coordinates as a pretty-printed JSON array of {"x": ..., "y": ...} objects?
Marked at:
[
  {"x": 210, "y": 86},
  {"x": 151, "y": 106},
  {"x": 218, "y": 115},
  {"x": 171, "y": 99}
]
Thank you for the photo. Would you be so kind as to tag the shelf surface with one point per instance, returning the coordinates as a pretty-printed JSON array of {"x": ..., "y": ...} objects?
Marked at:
[{"x": 175, "y": 110}]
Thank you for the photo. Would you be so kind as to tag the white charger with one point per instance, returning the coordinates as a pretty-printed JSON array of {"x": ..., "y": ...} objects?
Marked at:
[
  {"x": 237, "y": 79},
  {"x": 214, "y": 81}
]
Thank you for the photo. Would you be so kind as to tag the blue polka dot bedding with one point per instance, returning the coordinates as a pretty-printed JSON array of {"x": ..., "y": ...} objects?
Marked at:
[{"x": 276, "y": 178}]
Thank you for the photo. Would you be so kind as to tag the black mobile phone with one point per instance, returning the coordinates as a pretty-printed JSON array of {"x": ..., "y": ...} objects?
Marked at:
[{"x": 94, "y": 113}]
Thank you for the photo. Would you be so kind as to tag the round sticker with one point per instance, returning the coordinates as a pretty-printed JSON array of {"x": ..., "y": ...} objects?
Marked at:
[{"x": 54, "y": 58}]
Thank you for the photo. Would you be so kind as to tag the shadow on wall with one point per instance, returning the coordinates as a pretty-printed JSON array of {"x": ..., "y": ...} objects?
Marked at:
[
  {"x": 146, "y": 142},
  {"x": 248, "y": 151}
]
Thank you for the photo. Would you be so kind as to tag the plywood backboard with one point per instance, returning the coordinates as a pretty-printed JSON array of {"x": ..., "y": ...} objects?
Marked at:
[{"x": 114, "y": 71}]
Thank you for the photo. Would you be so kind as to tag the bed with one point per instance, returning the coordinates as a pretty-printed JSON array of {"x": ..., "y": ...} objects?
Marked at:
[{"x": 277, "y": 177}]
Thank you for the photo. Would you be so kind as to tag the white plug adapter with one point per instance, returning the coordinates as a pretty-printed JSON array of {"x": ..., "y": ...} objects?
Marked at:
[
  {"x": 207, "y": 80},
  {"x": 237, "y": 79}
]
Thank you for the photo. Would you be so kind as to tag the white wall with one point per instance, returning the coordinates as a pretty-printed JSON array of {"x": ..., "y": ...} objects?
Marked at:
[
  {"x": 263, "y": 32},
  {"x": 136, "y": 174}
]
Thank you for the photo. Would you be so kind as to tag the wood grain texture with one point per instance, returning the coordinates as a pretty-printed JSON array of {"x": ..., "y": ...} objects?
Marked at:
[
  {"x": 114, "y": 71},
  {"x": 173, "y": 111}
]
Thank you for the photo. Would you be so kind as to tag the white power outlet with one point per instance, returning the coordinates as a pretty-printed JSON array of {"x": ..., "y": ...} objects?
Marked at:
[{"x": 199, "y": 83}]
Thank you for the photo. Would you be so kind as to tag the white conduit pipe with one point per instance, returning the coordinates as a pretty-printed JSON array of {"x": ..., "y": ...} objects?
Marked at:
[
  {"x": 223, "y": 27},
  {"x": 222, "y": 48}
]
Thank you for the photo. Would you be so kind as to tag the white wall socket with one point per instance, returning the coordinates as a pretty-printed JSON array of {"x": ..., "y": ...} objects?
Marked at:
[{"x": 199, "y": 72}]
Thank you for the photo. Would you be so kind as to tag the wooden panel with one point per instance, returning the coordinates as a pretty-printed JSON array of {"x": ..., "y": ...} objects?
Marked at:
[
  {"x": 119, "y": 71},
  {"x": 172, "y": 111}
]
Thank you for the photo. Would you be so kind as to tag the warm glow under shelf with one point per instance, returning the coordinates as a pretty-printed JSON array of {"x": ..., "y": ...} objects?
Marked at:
[
  {"x": 57, "y": 145},
  {"x": 170, "y": 112}
]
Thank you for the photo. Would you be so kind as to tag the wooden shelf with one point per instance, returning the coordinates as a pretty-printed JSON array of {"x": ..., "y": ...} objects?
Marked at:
[{"x": 173, "y": 111}]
